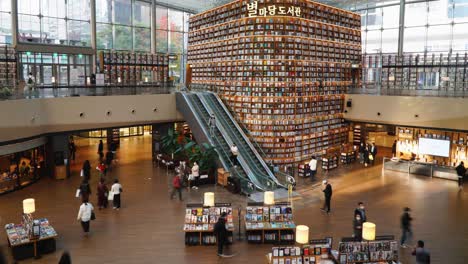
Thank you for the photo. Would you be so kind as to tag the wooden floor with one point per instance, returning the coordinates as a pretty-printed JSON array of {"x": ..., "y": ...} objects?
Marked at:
[{"x": 148, "y": 229}]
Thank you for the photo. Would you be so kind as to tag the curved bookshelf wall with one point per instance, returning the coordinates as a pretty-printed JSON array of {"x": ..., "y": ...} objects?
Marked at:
[{"x": 283, "y": 67}]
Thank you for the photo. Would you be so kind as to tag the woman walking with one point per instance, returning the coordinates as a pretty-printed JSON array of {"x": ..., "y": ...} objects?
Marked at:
[
  {"x": 86, "y": 170},
  {"x": 84, "y": 215},
  {"x": 116, "y": 189},
  {"x": 101, "y": 149},
  {"x": 85, "y": 190},
  {"x": 102, "y": 192}
]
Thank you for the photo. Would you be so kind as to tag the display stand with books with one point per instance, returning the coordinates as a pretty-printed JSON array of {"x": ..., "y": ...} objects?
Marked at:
[
  {"x": 303, "y": 170},
  {"x": 269, "y": 223},
  {"x": 348, "y": 157},
  {"x": 200, "y": 221},
  {"x": 330, "y": 162},
  {"x": 23, "y": 246},
  {"x": 377, "y": 251},
  {"x": 317, "y": 251}
]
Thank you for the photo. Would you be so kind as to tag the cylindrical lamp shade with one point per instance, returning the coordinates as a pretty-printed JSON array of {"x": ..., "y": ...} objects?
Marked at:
[
  {"x": 302, "y": 234},
  {"x": 368, "y": 231},
  {"x": 29, "y": 206},
  {"x": 208, "y": 199},
  {"x": 269, "y": 198}
]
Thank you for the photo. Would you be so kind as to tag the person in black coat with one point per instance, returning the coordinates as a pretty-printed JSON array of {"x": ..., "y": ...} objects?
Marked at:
[
  {"x": 394, "y": 149},
  {"x": 101, "y": 149},
  {"x": 86, "y": 170},
  {"x": 357, "y": 227},
  {"x": 366, "y": 155},
  {"x": 405, "y": 226},
  {"x": 327, "y": 191},
  {"x": 221, "y": 233},
  {"x": 373, "y": 152},
  {"x": 461, "y": 171},
  {"x": 361, "y": 210},
  {"x": 85, "y": 190}
]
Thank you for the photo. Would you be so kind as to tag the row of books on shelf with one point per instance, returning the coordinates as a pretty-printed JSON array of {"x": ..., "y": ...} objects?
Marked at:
[
  {"x": 300, "y": 135},
  {"x": 233, "y": 85},
  {"x": 269, "y": 225},
  {"x": 368, "y": 251},
  {"x": 319, "y": 99},
  {"x": 308, "y": 149},
  {"x": 290, "y": 55},
  {"x": 193, "y": 239},
  {"x": 305, "y": 122},
  {"x": 130, "y": 58},
  {"x": 307, "y": 254},
  {"x": 18, "y": 233},
  {"x": 220, "y": 65},
  {"x": 199, "y": 218}
]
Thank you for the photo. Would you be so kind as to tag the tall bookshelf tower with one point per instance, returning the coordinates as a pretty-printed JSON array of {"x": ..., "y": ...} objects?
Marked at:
[{"x": 283, "y": 67}]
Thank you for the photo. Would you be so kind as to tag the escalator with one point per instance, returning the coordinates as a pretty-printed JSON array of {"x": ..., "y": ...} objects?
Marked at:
[{"x": 248, "y": 153}]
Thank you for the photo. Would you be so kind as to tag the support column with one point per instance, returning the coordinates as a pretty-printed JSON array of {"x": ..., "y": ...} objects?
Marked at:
[
  {"x": 93, "y": 35},
  {"x": 153, "y": 27},
  {"x": 14, "y": 23},
  {"x": 58, "y": 161},
  {"x": 401, "y": 28},
  {"x": 158, "y": 131}
]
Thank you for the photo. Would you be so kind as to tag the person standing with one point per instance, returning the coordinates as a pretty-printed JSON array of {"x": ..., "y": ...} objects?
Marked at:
[
  {"x": 373, "y": 152},
  {"x": 362, "y": 150},
  {"x": 195, "y": 175},
  {"x": 405, "y": 226},
  {"x": 361, "y": 210},
  {"x": 109, "y": 158},
  {"x": 327, "y": 191},
  {"x": 176, "y": 187},
  {"x": 116, "y": 190},
  {"x": 394, "y": 149},
  {"x": 101, "y": 149},
  {"x": 86, "y": 170},
  {"x": 212, "y": 124},
  {"x": 102, "y": 192},
  {"x": 84, "y": 215},
  {"x": 221, "y": 233},
  {"x": 357, "y": 227},
  {"x": 366, "y": 155},
  {"x": 422, "y": 254},
  {"x": 72, "y": 148},
  {"x": 102, "y": 169},
  {"x": 85, "y": 190},
  {"x": 461, "y": 171},
  {"x": 313, "y": 167},
  {"x": 234, "y": 154}
]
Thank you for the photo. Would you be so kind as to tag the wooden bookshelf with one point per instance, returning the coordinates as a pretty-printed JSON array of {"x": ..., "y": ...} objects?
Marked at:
[
  {"x": 282, "y": 73},
  {"x": 8, "y": 66},
  {"x": 134, "y": 68}
]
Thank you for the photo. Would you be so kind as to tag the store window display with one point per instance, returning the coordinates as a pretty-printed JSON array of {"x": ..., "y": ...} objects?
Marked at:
[{"x": 21, "y": 169}]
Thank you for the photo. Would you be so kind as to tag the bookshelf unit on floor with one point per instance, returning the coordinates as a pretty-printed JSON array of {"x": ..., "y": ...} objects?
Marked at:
[{"x": 283, "y": 72}]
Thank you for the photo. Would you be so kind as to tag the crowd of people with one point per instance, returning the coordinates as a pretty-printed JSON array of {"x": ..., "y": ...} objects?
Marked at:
[{"x": 367, "y": 153}]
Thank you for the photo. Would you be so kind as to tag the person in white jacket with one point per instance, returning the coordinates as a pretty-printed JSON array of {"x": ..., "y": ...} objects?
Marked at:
[
  {"x": 195, "y": 175},
  {"x": 116, "y": 189},
  {"x": 313, "y": 167},
  {"x": 84, "y": 215}
]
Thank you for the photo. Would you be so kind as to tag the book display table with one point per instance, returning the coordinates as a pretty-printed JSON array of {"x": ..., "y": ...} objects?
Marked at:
[{"x": 22, "y": 247}]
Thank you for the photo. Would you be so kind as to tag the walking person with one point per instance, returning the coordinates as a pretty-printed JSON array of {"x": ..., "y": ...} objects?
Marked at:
[
  {"x": 313, "y": 167},
  {"x": 405, "y": 227},
  {"x": 116, "y": 190},
  {"x": 461, "y": 171},
  {"x": 357, "y": 227},
  {"x": 100, "y": 149},
  {"x": 373, "y": 152},
  {"x": 109, "y": 158},
  {"x": 86, "y": 170},
  {"x": 327, "y": 191},
  {"x": 195, "y": 175},
  {"x": 234, "y": 154},
  {"x": 176, "y": 187},
  {"x": 366, "y": 155},
  {"x": 84, "y": 215},
  {"x": 102, "y": 169},
  {"x": 212, "y": 124},
  {"x": 422, "y": 254},
  {"x": 361, "y": 153},
  {"x": 85, "y": 190},
  {"x": 221, "y": 233},
  {"x": 65, "y": 258},
  {"x": 102, "y": 192},
  {"x": 72, "y": 148},
  {"x": 361, "y": 210},
  {"x": 394, "y": 154}
]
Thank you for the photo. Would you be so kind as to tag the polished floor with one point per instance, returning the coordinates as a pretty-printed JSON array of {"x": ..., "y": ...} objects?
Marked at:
[{"x": 148, "y": 229}]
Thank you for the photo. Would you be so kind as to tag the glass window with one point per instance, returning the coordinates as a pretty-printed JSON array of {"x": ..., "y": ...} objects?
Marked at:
[
  {"x": 104, "y": 36},
  {"x": 391, "y": 16},
  {"x": 438, "y": 38},
  {"x": 5, "y": 6},
  {"x": 176, "y": 42},
  {"x": 142, "y": 14},
  {"x": 161, "y": 17},
  {"x": 438, "y": 13},
  {"x": 79, "y": 9},
  {"x": 122, "y": 12},
  {"x": 161, "y": 41},
  {"x": 176, "y": 20},
  {"x": 29, "y": 28},
  {"x": 390, "y": 41},
  {"x": 79, "y": 33},
  {"x": 374, "y": 18},
  {"x": 29, "y": 7},
  {"x": 142, "y": 39},
  {"x": 416, "y": 14},
  {"x": 186, "y": 21},
  {"x": 374, "y": 41},
  {"x": 54, "y": 31},
  {"x": 460, "y": 11},
  {"x": 363, "y": 41},
  {"x": 53, "y": 8},
  {"x": 460, "y": 37},
  {"x": 104, "y": 11},
  {"x": 123, "y": 38},
  {"x": 363, "y": 18},
  {"x": 414, "y": 39},
  {"x": 5, "y": 28}
]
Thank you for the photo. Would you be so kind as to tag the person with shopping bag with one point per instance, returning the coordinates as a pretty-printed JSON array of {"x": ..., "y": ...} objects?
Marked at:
[{"x": 116, "y": 190}]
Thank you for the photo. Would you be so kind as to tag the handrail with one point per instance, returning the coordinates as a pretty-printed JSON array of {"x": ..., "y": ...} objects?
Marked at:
[{"x": 246, "y": 139}]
